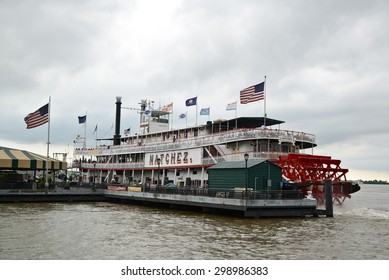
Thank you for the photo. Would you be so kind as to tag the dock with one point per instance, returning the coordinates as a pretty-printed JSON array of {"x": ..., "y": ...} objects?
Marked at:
[
  {"x": 218, "y": 203},
  {"x": 60, "y": 195},
  {"x": 228, "y": 202}
]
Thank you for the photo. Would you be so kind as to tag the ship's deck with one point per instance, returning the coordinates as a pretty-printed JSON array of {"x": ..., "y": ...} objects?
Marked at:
[{"x": 302, "y": 139}]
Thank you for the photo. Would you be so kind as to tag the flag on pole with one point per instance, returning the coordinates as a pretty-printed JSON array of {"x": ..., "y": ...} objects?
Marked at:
[
  {"x": 191, "y": 101},
  {"x": 205, "y": 111},
  {"x": 81, "y": 119},
  {"x": 168, "y": 108},
  {"x": 253, "y": 93},
  {"x": 127, "y": 131},
  {"x": 231, "y": 106},
  {"x": 38, "y": 118},
  {"x": 95, "y": 129}
]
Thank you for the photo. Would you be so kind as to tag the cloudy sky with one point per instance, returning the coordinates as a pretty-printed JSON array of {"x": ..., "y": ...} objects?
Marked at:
[{"x": 326, "y": 62}]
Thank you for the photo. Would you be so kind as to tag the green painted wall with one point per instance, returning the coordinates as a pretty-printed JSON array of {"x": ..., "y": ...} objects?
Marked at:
[{"x": 230, "y": 178}]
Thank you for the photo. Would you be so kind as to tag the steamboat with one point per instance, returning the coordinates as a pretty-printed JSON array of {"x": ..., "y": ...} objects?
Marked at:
[{"x": 159, "y": 155}]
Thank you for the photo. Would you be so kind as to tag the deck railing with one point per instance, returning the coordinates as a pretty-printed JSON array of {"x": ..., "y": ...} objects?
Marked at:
[
  {"x": 204, "y": 161},
  {"x": 194, "y": 142},
  {"x": 229, "y": 193}
]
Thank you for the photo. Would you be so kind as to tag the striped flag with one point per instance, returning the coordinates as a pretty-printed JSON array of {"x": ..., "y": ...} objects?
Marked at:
[
  {"x": 38, "y": 118},
  {"x": 253, "y": 93},
  {"x": 168, "y": 108}
]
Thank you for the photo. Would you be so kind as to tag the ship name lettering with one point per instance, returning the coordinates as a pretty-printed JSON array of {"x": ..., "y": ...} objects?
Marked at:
[
  {"x": 167, "y": 158},
  {"x": 170, "y": 158}
]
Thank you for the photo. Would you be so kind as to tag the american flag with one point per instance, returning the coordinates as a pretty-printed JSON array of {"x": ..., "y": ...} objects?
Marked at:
[
  {"x": 168, "y": 108},
  {"x": 253, "y": 93},
  {"x": 37, "y": 118}
]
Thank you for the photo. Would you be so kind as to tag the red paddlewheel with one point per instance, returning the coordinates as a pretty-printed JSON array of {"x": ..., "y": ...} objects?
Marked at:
[{"x": 313, "y": 170}]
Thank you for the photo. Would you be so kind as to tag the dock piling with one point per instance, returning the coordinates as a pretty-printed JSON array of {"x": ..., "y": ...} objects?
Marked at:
[{"x": 329, "y": 203}]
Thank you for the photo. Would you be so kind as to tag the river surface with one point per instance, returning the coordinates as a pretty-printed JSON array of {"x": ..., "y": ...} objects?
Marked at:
[{"x": 101, "y": 231}]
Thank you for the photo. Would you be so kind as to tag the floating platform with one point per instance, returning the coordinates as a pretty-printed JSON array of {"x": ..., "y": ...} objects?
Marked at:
[
  {"x": 253, "y": 208},
  {"x": 228, "y": 203},
  {"x": 53, "y": 196}
]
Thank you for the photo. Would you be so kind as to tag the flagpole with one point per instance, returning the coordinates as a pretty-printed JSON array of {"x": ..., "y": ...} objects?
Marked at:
[
  {"x": 236, "y": 115},
  {"x": 96, "y": 134},
  {"x": 171, "y": 119},
  {"x": 196, "y": 110},
  {"x": 86, "y": 117},
  {"x": 48, "y": 148},
  {"x": 264, "y": 109}
]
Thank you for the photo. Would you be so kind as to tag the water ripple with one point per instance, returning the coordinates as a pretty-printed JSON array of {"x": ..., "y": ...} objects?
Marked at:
[{"x": 120, "y": 231}]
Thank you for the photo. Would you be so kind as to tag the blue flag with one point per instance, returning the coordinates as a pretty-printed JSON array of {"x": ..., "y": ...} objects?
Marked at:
[
  {"x": 191, "y": 101},
  {"x": 82, "y": 119}
]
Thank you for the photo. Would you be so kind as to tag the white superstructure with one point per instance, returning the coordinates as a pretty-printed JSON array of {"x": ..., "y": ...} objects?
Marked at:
[{"x": 182, "y": 156}]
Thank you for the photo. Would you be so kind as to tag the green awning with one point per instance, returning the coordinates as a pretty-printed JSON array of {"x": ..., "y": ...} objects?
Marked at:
[{"x": 19, "y": 159}]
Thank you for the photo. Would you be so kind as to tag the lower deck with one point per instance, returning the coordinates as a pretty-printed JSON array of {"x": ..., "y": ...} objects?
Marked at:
[{"x": 179, "y": 176}]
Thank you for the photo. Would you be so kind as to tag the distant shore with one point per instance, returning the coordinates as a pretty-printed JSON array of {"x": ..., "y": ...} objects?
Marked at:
[{"x": 374, "y": 182}]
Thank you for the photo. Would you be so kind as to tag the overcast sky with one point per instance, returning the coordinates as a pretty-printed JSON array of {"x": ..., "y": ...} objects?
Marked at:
[{"x": 326, "y": 62}]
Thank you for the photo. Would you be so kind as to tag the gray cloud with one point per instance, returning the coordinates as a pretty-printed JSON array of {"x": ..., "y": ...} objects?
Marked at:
[{"x": 326, "y": 66}]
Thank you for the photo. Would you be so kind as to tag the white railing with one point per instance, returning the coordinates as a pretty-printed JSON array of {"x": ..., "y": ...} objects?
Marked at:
[
  {"x": 211, "y": 139},
  {"x": 205, "y": 161},
  {"x": 124, "y": 165}
]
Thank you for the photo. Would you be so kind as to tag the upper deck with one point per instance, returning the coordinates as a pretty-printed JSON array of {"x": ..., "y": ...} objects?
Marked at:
[{"x": 161, "y": 142}]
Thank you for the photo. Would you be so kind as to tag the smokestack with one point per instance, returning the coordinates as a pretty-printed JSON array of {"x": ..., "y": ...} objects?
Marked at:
[{"x": 116, "y": 137}]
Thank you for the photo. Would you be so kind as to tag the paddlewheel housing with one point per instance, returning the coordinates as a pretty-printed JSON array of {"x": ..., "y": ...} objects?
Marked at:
[{"x": 308, "y": 173}]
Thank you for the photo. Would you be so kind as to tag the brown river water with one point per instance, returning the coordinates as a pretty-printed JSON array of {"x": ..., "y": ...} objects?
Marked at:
[{"x": 108, "y": 231}]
